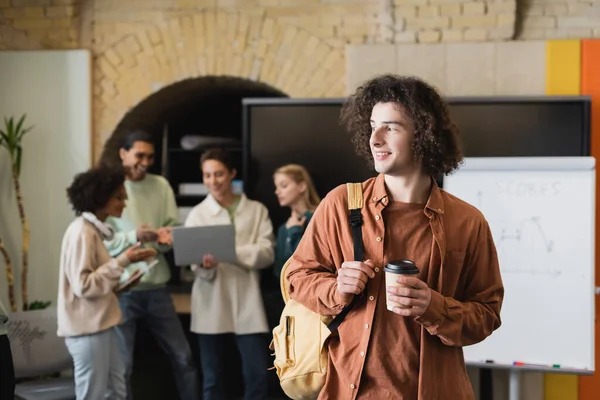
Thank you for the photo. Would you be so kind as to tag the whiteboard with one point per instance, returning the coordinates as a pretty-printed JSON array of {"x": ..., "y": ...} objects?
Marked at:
[{"x": 541, "y": 212}]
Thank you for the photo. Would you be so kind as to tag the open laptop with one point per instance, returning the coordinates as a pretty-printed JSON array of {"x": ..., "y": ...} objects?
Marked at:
[{"x": 191, "y": 243}]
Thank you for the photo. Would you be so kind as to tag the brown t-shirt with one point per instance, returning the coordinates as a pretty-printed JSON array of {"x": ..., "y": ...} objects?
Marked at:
[{"x": 396, "y": 360}]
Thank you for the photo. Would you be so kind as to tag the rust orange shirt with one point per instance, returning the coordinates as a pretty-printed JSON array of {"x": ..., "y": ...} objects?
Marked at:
[{"x": 462, "y": 271}]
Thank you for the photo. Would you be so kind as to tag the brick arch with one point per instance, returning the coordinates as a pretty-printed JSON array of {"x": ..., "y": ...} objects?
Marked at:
[{"x": 264, "y": 49}]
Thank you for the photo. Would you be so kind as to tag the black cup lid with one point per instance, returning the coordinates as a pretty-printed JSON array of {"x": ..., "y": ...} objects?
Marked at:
[{"x": 401, "y": 267}]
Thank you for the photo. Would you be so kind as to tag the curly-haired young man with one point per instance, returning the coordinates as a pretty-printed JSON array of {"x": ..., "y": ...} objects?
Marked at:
[{"x": 401, "y": 125}]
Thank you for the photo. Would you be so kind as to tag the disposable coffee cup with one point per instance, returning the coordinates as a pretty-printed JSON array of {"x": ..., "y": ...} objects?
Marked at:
[{"x": 393, "y": 270}]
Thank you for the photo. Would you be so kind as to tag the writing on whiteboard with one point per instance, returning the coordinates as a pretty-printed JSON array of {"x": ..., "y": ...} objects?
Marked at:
[
  {"x": 523, "y": 246},
  {"x": 528, "y": 188}
]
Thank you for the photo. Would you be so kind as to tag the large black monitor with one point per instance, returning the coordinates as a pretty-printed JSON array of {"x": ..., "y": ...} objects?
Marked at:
[{"x": 308, "y": 132}]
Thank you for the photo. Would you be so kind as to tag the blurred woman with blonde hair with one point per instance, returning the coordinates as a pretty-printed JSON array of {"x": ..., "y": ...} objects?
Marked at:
[{"x": 294, "y": 189}]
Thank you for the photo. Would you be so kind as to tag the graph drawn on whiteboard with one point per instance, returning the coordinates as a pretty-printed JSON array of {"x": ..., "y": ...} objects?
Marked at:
[{"x": 523, "y": 246}]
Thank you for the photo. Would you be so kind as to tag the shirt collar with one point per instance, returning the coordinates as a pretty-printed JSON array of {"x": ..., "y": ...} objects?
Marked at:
[
  {"x": 435, "y": 202},
  {"x": 215, "y": 208}
]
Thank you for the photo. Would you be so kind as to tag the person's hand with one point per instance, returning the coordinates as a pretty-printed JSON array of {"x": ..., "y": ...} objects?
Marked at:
[
  {"x": 146, "y": 234},
  {"x": 135, "y": 253},
  {"x": 295, "y": 219},
  {"x": 411, "y": 299},
  {"x": 164, "y": 235},
  {"x": 352, "y": 278},
  {"x": 209, "y": 261}
]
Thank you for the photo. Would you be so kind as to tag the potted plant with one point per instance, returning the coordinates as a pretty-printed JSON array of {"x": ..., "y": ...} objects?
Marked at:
[
  {"x": 11, "y": 138},
  {"x": 32, "y": 331}
]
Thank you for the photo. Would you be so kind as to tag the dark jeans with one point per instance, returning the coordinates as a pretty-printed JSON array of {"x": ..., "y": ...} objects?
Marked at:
[
  {"x": 7, "y": 372},
  {"x": 254, "y": 365},
  {"x": 156, "y": 308}
]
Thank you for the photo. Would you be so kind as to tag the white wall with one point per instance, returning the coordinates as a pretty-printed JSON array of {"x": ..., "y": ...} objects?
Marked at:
[
  {"x": 456, "y": 69},
  {"x": 54, "y": 89}
]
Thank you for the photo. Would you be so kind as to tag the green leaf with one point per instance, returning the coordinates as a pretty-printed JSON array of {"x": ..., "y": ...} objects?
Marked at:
[
  {"x": 39, "y": 305},
  {"x": 11, "y": 127},
  {"x": 20, "y": 124},
  {"x": 22, "y": 133},
  {"x": 3, "y": 138},
  {"x": 10, "y": 134},
  {"x": 11, "y": 139}
]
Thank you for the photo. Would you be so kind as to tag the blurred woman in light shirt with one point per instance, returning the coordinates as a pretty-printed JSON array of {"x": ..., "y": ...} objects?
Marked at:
[
  {"x": 226, "y": 297},
  {"x": 87, "y": 307}
]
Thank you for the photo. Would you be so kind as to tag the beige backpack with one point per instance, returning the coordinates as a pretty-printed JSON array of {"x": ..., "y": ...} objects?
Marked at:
[{"x": 299, "y": 341}]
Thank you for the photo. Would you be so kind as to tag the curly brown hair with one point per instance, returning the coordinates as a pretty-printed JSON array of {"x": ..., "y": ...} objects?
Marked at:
[
  {"x": 91, "y": 190},
  {"x": 436, "y": 145}
]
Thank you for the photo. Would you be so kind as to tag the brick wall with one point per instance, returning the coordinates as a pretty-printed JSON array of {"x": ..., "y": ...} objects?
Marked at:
[
  {"x": 431, "y": 21},
  {"x": 560, "y": 19},
  {"x": 35, "y": 24},
  {"x": 295, "y": 45}
]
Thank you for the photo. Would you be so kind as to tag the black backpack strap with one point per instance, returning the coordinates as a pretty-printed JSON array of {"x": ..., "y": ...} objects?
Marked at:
[{"x": 355, "y": 203}]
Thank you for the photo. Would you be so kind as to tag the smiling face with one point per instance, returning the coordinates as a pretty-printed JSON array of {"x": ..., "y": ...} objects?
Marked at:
[
  {"x": 137, "y": 159},
  {"x": 217, "y": 178},
  {"x": 288, "y": 191},
  {"x": 392, "y": 136}
]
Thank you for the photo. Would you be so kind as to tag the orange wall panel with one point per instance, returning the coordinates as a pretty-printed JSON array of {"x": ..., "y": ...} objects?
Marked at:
[{"x": 589, "y": 386}]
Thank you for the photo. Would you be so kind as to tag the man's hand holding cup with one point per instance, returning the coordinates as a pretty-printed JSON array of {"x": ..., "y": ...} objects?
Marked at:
[{"x": 406, "y": 294}]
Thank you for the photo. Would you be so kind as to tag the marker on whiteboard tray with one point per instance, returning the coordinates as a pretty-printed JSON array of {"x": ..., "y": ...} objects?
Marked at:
[{"x": 522, "y": 364}]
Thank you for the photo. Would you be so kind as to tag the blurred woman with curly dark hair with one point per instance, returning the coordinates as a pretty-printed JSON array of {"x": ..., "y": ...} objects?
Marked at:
[
  {"x": 430, "y": 278},
  {"x": 87, "y": 305}
]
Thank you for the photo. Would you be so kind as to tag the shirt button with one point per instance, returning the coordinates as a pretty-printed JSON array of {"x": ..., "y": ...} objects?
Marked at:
[
  {"x": 371, "y": 297},
  {"x": 362, "y": 353},
  {"x": 352, "y": 386},
  {"x": 378, "y": 239},
  {"x": 366, "y": 326},
  {"x": 376, "y": 269},
  {"x": 377, "y": 217}
]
